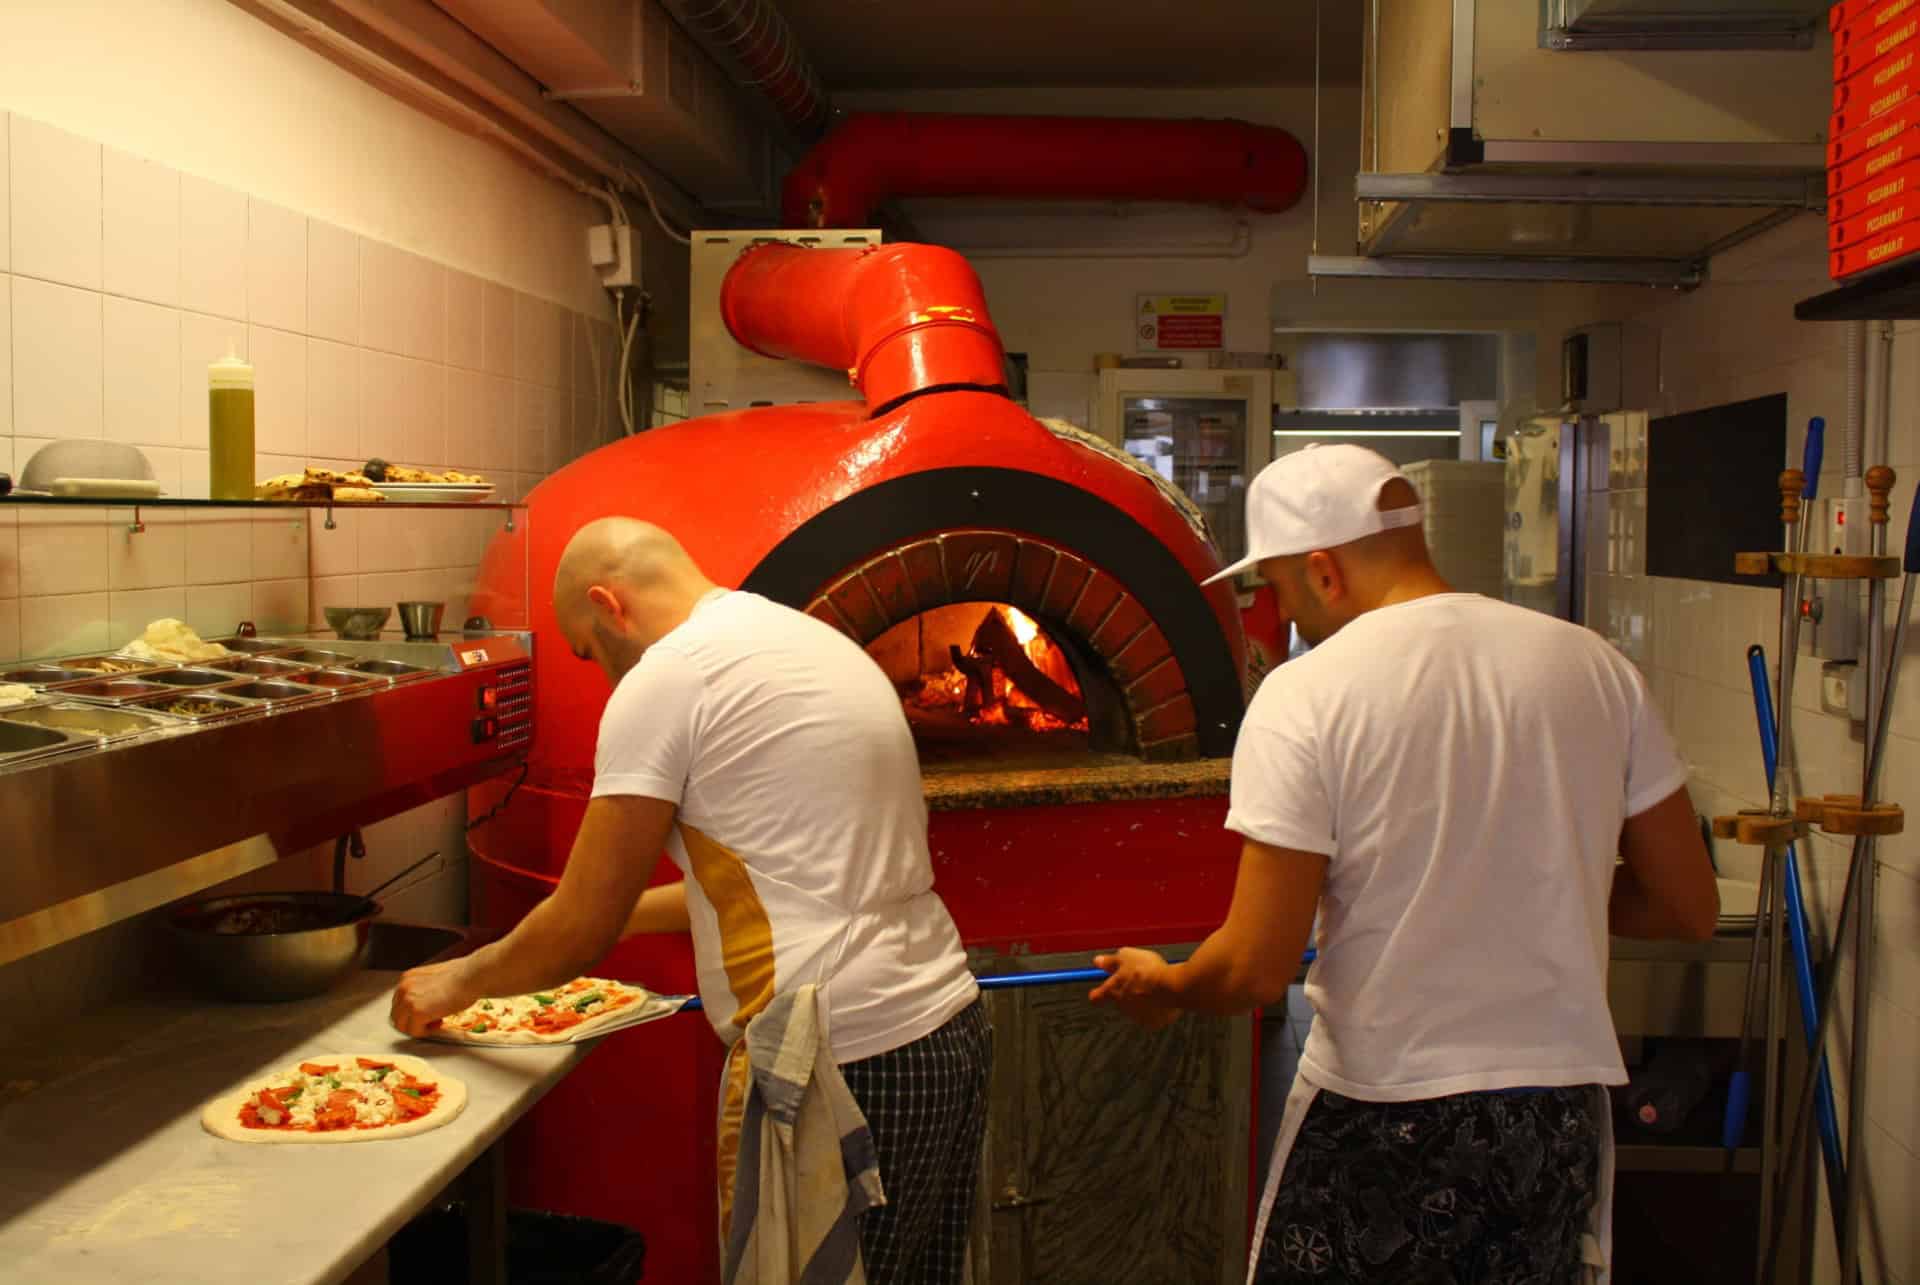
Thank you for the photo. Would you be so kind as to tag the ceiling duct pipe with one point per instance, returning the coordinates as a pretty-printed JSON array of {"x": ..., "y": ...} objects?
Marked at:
[
  {"x": 900, "y": 319},
  {"x": 871, "y": 157},
  {"x": 751, "y": 40}
]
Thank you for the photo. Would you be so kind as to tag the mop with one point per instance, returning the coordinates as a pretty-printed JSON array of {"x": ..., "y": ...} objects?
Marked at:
[
  {"x": 1736, "y": 1117},
  {"x": 1863, "y": 849}
]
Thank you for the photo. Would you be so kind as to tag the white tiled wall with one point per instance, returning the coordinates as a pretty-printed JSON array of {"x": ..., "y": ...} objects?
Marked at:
[
  {"x": 1731, "y": 340},
  {"x": 122, "y": 279}
]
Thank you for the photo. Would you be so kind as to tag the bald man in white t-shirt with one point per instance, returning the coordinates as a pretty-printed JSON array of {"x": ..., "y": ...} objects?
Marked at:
[
  {"x": 769, "y": 756},
  {"x": 1448, "y": 780}
]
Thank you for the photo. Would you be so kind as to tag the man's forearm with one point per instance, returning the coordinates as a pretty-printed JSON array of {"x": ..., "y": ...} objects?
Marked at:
[
  {"x": 1214, "y": 980},
  {"x": 543, "y": 951},
  {"x": 1633, "y": 912},
  {"x": 660, "y": 910}
]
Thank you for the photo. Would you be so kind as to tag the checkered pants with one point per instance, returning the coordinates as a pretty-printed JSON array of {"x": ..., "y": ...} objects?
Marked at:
[{"x": 926, "y": 1104}]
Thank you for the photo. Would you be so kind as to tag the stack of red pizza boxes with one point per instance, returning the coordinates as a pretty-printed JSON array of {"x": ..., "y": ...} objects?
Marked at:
[{"x": 1873, "y": 149}]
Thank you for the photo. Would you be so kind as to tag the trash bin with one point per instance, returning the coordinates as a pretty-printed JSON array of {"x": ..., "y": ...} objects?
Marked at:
[{"x": 542, "y": 1249}]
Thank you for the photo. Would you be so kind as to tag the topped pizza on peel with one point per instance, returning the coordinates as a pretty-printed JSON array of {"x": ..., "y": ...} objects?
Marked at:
[{"x": 578, "y": 1010}]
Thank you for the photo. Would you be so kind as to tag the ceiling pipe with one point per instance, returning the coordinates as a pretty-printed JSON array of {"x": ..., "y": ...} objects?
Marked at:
[
  {"x": 871, "y": 157},
  {"x": 901, "y": 319},
  {"x": 751, "y": 41}
]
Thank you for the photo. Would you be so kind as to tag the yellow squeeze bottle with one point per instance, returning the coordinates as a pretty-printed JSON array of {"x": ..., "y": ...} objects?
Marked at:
[{"x": 230, "y": 429}]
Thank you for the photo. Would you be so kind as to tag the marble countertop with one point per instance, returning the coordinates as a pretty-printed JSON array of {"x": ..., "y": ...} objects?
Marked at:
[{"x": 108, "y": 1175}]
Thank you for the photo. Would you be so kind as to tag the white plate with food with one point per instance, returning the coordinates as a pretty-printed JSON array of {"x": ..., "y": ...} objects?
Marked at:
[{"x": 435, "y": 492}]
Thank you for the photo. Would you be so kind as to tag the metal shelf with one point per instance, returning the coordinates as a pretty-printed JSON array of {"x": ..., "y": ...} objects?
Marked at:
[{"x": 1890, "y": 294}]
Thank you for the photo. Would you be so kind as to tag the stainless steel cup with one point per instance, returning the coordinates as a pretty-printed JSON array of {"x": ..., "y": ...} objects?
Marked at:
[{"x": 421, "y": 619}]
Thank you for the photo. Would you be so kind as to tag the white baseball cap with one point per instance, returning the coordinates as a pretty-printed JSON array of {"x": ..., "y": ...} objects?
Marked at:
[{"x": 1319, "y": 497}]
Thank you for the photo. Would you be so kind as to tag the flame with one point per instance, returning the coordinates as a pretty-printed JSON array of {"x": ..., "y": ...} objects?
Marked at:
[{"x": 1006, "y": 705}]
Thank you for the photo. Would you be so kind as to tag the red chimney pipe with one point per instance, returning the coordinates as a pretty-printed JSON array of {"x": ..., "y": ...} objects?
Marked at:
[
  {"x": 873, "y": 156},
  {"x": 900, "y": 319}
]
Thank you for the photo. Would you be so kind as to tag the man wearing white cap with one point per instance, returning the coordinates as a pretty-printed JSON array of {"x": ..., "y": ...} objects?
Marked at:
[{"x": 1447, "y": 780}]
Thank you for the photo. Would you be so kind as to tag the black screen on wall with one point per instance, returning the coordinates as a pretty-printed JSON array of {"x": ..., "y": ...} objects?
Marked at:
[{"x": 1713, "y": 489}]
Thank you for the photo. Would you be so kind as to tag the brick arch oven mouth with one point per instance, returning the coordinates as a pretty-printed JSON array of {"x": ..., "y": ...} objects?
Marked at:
[{"x": 1016, "y": 651}]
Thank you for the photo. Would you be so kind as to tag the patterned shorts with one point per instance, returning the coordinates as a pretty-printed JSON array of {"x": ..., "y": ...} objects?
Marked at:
[
  {"x": 926, "y": 1103},
  {"x": 1475, "y": 1189}
]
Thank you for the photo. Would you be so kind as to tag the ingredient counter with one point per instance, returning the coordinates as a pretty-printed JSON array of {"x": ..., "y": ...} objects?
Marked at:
[{"x": 110, "y": 1176}]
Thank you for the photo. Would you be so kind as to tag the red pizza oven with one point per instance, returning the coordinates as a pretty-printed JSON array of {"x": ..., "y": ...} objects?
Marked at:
[{"x": 1035, "y": 596}]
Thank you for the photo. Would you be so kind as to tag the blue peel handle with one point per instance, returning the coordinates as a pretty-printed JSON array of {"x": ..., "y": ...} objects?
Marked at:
[
  {"x": 1810, "y": 465},
  {"x": 1734, "y": 1126},
  {"x": 1912, "y": 562}
]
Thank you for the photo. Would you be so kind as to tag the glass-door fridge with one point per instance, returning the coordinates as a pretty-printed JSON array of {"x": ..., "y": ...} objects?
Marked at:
[{"x": 1206, "y": 431}]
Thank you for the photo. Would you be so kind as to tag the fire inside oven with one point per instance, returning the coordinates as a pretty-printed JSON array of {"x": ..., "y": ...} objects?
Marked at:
[
  {"x": 977, "y": 672},
  {"x": 1011, "y": 648}
]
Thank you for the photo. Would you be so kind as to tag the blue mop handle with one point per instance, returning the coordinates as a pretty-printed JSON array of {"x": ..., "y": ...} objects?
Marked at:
[
  {"x": 1911, "y": 563},
  {"x": 1810, "y": 461},
  {"x": 1008, "y": 981},
  {"x": 1739, "y": 1090}
]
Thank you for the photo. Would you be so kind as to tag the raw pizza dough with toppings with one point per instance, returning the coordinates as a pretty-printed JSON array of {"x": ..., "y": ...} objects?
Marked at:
[
  {"x": 338, "y": 1098},
  {"x": 580, "y": 1009}
]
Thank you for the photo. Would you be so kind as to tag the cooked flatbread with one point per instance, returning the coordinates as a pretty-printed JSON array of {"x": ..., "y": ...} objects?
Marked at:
[
  {"x": 334, "y": 477},
  {"x": 292, "y": 486},
  {"x": 168, "y": 639},
  {"x": 404, "y": 473},
  {"x": 358, "y": 495},
  {"x": 338, "y": 1098}
]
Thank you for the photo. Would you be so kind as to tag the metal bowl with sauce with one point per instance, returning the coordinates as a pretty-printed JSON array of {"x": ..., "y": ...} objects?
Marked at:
[{"x": 274, "y": 946}]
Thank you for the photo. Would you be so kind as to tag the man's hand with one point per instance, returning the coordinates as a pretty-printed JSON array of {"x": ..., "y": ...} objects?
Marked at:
[
  {"x": 427, "y": 994},
  {"x": 1136, "y": 985}
]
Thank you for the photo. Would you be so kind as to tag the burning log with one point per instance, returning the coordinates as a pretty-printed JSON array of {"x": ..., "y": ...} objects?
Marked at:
[
  {"x": 994, "y": 641},
  {"x": 979, "y": 675}
]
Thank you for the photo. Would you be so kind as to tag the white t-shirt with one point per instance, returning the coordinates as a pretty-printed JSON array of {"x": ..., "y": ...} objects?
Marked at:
[
  {"x": 1466, "y": 765},
  {"x": 802, "y": 828}
]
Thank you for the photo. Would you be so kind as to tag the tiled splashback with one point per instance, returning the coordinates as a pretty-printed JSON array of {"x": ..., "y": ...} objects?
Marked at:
[{"x": 121, "y": 279}]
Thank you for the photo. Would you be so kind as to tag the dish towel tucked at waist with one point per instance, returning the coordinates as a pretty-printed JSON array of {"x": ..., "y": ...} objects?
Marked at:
[{"x": 807, "y": 1167}]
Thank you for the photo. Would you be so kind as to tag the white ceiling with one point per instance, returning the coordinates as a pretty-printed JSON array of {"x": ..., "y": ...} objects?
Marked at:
[{"x": 971, "y": 44}]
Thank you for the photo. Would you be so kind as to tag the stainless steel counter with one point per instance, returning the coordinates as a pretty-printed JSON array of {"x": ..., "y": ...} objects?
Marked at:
[{"x": 109, "y": 1176}]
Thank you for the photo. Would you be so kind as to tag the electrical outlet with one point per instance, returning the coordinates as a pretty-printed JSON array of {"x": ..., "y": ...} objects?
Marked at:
[
  {"x": 600, "y": 248},
  {"x": 610, "y": 248},
  {"x": 1832, "y": 609},
  {"x": 1841, "y": 691}
]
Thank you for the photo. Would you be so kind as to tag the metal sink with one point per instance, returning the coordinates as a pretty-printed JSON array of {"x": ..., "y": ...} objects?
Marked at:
[{"x": 394, "y": 946}]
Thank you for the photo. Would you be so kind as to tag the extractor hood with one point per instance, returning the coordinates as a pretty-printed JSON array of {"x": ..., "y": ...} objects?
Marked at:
[
  {"x": 1487, "y": 153},
  {"x": 1681, "y": 24}
]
